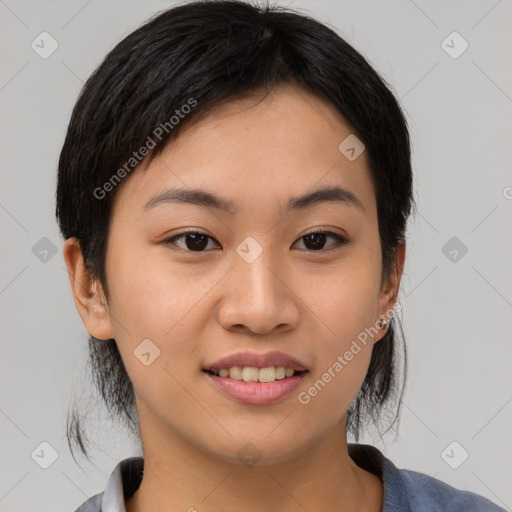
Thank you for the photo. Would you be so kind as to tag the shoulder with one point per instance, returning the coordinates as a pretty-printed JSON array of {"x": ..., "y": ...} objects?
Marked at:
[
  {"x": 406, "y": 490},
  {"x": 93, "y": 504},
  {"x": 425, "y": 493}
]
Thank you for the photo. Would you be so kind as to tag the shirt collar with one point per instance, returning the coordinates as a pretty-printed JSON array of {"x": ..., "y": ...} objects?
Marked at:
[
  {"x": 122, "y": 484},
  {"x": 373, "y": 460}
]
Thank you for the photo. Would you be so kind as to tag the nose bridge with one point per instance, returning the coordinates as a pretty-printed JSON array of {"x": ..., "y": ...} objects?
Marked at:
[
  {"x": 256, "y": 296},
  {"x": 257, "y": 270}
]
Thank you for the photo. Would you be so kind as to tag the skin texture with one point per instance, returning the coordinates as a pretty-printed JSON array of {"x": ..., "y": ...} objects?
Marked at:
[{"x": 200, "y": 306}]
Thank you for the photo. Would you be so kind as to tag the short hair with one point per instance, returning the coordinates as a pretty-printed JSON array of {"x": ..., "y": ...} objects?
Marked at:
[{"x": 212, "y": 52}]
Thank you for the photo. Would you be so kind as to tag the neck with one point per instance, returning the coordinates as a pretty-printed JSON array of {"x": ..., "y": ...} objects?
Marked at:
[{"x": 179, "y": 476}]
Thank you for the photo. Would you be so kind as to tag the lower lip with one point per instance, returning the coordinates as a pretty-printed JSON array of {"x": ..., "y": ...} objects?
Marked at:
[{"x": 257, "y": 393}]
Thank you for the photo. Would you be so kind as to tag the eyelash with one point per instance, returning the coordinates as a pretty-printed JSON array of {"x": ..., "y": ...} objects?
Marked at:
[{"x": 340, "y": 240}]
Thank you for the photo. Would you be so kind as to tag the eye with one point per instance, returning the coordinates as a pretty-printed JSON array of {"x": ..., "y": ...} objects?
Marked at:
[
  {"x": 195, "y": 241},
  {"x": 316, "y": 239}
]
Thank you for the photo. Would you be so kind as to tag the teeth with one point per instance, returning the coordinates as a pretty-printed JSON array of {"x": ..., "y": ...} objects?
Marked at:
[
  {"x": 280, "y": 372},
  {"x": 253, "y": 374},
  {"x": 235, "y": 373},
  {"x": 250, "y": 374}
]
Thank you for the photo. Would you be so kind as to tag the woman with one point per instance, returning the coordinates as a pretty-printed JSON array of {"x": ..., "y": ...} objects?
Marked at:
[{"x": 233, "y": 190}]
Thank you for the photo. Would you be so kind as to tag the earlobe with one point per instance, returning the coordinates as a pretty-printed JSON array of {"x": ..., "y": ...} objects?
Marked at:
[{"x": 87, "y": 293}]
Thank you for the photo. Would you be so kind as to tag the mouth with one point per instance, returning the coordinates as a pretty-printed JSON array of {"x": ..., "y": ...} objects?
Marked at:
[{"x": 256, "y": 378}]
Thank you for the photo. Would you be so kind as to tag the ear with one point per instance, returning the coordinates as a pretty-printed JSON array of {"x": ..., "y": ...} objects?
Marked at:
[
  {"x": 389, "y": 292},
  {"x": 87, "y": 293}
]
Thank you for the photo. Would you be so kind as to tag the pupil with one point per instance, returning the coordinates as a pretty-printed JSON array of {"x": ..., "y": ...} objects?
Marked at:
[
  {"x": 315, "y": 236},
  {"x": 198, "y": 241}
]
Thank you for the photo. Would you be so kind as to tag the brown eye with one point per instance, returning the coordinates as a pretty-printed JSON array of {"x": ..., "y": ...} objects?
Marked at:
[
  {"x": 316, "y": 241},
  {"x": 193, "y": 241}
]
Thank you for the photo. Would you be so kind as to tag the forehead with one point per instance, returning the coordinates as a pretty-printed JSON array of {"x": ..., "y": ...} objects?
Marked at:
[{"x": 251, "y": 148}]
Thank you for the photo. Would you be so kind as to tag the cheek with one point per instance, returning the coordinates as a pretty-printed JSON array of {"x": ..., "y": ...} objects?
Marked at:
[
  {"x": 150, "y": 301},
  {"x": 345, "y": 298},
  {"x": 344, "y": 307},
  {"x": 154, "y": 303},
  {"x": 151, "y": 295},
  {"x": 341, "y": 368}
]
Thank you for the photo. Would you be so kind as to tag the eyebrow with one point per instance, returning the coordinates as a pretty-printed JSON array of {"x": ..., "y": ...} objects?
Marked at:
[{"x": 207, "y": 199}]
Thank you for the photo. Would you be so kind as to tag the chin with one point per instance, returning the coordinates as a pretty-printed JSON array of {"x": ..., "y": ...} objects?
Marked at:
[{"x": 261, "y": 449}]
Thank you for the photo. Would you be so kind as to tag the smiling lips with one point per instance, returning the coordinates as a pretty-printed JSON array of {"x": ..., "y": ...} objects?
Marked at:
[{"x": 257, "y": 379}]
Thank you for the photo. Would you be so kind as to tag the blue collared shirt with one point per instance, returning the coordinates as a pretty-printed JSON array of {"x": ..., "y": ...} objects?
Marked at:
[{"x": 404, "y": 490}]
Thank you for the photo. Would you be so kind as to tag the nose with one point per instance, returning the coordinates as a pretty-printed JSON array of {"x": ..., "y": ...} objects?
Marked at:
[{"x": 259, "y": 297}]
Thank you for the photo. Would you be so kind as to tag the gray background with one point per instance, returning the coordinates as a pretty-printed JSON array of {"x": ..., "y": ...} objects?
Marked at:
[{"x": 456, "y": 314}]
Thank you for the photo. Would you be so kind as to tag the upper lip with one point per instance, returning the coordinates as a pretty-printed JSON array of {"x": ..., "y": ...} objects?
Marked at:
[{"x": 257, "y": 360}]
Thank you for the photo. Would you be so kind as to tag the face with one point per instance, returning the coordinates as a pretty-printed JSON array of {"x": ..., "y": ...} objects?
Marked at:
[{"x": 250, "y": 281}]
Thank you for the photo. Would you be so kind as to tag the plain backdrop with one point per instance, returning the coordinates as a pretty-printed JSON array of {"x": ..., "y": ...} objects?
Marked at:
[{"x": 456, "y": 291}]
